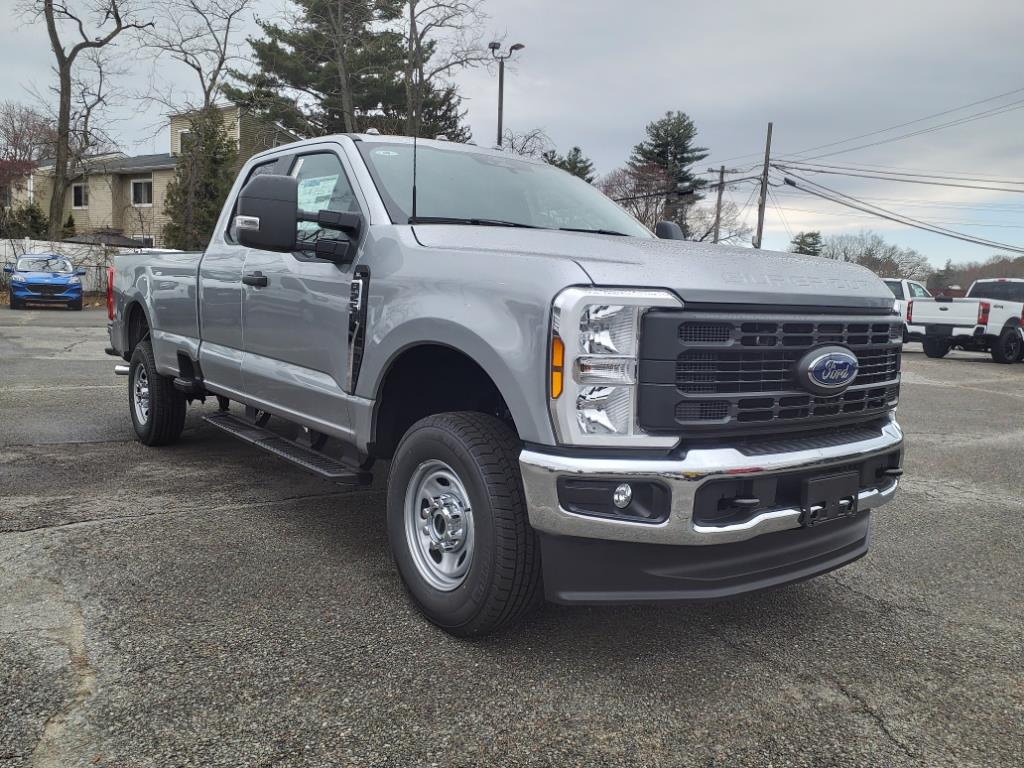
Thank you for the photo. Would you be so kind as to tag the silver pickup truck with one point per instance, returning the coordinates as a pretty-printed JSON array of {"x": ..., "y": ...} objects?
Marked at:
[{"x": 570, "y": 407}]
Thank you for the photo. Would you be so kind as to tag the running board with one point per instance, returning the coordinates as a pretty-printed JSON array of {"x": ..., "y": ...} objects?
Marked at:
[{"x": 306, "y": 458}]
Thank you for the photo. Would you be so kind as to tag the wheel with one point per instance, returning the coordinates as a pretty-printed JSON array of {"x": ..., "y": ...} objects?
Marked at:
[
  {"x": 157, "y": 408},
  {"x": 935, "y": 347},
  {"x": 1008, "y": 348},
  {"x": 76, "y": 305},
  {"x": 457, "y": 523},
  {"x": 15, "y": 304}
]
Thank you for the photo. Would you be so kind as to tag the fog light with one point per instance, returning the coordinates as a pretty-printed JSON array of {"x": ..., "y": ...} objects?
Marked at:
[{"x": 622, "y": 496}]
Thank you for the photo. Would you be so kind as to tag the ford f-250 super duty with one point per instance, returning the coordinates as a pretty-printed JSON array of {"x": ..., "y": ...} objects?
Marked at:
[
  {"x": 571, "y": 407},
  {"x": 988, "y": 319}
]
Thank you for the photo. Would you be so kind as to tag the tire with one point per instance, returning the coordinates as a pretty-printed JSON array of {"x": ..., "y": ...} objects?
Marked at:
[
  {"x": 1009, "y": 347},
  {"x": 161, "y": 420},
  {"x": 501, "y": 582},
  {"x": 15, "y": 304},
  {"x": 935, "y": 347},
  {"x": 75, "y": 305}
]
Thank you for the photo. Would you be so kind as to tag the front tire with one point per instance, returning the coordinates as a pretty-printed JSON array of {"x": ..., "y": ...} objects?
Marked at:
[
  {"x": 75, "y": 305},
  {"x": 157, "y": 408},
  {"x": 457, "y": 524},
  {"x": 15, "y": 304},
  {"x": 1008, "y": 348},
  {"x": 935, "y": 347}
]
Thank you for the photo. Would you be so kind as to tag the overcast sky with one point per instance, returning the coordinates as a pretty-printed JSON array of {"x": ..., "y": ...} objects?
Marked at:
[{"x": 595, "y": 72}]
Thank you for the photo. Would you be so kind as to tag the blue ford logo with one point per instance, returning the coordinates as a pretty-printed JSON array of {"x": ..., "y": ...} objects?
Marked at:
[{"x": 827, "y": 370}]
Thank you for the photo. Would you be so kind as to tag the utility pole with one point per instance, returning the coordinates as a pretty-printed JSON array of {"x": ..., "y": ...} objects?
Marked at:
[
  {"x": 718, "y": 205},
  {"x": 764, "y": 189}
]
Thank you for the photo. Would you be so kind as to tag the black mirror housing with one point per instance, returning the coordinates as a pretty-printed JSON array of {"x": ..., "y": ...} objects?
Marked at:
[
  {"x": 668, "y": 230},
  {"x": 268, "y": 209}
]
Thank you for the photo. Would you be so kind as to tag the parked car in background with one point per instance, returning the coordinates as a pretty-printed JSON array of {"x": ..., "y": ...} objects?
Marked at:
[
  {"x": 987, "y": 319},
  {"x": 46, "y": 278},
  {"x": 905, "y": 291}
]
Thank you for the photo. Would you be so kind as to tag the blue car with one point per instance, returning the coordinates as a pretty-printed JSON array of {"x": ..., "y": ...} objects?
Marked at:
[{"x": 45, "y": 278}]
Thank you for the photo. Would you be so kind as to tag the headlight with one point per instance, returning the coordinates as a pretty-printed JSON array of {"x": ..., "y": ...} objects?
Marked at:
[
  {"x": 593, "y": 367},
  {"x": 17, "y": 278},
  {"x": 74, "y": 280}
]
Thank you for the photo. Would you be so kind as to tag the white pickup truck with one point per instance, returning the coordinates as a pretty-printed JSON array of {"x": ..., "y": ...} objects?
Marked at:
[
  {"x": 987, "y": 319},
  {"x": 905, "y": 291}
]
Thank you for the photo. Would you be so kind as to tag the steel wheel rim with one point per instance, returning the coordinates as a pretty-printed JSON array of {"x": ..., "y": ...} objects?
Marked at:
[
  {"x": 439, "y": 525},
  {"x": 140, "y": 394},
  {"x": 1012, "y": 346}
]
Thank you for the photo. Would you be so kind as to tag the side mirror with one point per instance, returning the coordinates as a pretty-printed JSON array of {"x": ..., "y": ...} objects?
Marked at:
[
  {"x": 80, "y": 272},
  {"x": 668, "y": 230},
  {"x": 8, "y": 269},
  {"x": 268, "y": 208}
]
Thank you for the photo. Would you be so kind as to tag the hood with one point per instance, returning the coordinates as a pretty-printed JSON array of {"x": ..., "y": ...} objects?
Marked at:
[{"x": 696, "y": 272}]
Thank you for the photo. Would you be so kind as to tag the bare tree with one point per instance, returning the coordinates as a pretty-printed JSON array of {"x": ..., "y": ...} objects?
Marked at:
[
  {"x": 110, "y": 18},
  {"x": 870, "y": 250},
  {"x": 441, "y": 37},
  {"x": 26, "y": 136},
  {"x": 532, "y": 143},
  {"x": 200, "y": 35},
  {"x": 640, "y": 190},
  {"x": 733, "y": 229}
]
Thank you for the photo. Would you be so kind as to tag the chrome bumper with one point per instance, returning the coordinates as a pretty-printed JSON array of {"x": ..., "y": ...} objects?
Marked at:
[{"x": 683, "y": 477}]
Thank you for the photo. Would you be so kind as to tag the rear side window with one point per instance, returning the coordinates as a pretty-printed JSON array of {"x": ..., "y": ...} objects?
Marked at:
[
  {"x": 896, "y": 287},
  {"x": 1000, "y": 291},
  {"x": 918, "y": 291},
  {"x": 268, "y": 167}
]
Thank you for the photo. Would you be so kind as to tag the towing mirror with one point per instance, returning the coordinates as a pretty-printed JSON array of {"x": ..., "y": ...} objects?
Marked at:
[
  {"x": 668, "y": 230},
  {"x": 267, "y": 213}
]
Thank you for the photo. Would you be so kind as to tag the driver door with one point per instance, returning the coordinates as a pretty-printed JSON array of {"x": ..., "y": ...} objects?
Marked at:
[{"x": 295, "y": 318}]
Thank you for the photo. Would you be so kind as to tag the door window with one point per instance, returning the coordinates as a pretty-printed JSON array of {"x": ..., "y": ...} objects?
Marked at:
[
  {"x": 322, "y": 186},
  {"x": 896, "y": 287}
]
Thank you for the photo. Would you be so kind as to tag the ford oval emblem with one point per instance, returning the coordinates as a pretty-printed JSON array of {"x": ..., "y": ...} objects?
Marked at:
[{"x": 827, "y": 370}]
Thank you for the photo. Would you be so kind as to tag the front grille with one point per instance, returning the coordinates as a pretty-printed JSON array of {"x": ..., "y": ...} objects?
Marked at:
[
  {"x": 718, "y": 372},
  {"x": 47, "y": 290}
]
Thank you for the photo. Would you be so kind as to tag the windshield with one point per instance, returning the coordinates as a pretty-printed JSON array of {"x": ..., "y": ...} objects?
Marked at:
[
  {"x": 477, "y": 187},
  {"x": 44, "y": 264},
  {"x": 896, "y": 287},
  {"x": 996, "y": 290}
]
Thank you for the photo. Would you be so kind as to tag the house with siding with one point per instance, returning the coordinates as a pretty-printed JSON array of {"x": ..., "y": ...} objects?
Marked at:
[{"x": 117, "y": 196}]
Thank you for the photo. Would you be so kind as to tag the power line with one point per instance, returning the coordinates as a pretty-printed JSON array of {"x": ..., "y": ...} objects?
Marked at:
[
  {"x": 784, "y": 167},
  {"x": 851, "y": 202},
  {"x": 1014, "y": 105},
  {"x": 904, "y": 125},
  {"x": 806, "y": 166},
  {"x": 933, "y": 221},
  {"x": 782, "y": 216}
]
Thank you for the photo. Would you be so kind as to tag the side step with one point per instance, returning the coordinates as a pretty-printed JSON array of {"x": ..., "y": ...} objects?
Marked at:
[{"x": 310, "y": 460}]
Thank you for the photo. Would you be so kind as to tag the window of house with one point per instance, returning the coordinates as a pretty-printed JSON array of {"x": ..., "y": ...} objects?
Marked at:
[
  {"x": 142, "y": 192},
  {"x": 80, "y": 195},
  {"x": 182, "y": 138},
  {"x": 147, "y": 241},
  {"x": 5, "y": 196}
]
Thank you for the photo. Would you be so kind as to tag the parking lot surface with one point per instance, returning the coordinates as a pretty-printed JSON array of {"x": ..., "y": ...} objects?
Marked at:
[{"x": 208, "y": 605}]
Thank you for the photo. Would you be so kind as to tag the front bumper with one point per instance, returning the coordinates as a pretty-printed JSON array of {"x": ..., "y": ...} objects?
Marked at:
[
  {"x": 601, "y": 559},
  {"x": 29, "y": 292}
]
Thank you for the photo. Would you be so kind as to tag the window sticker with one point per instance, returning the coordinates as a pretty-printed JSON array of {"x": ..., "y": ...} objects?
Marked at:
[{"x": 315, "y": 193}]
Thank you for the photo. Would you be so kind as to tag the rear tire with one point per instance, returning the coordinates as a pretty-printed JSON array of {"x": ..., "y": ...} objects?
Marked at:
[
  {"x": 156, "y": 407},
  {"x": 935, "y": 347},
  {"x": 1008, "y": 348},
  {"x": 455, "y": 491}
]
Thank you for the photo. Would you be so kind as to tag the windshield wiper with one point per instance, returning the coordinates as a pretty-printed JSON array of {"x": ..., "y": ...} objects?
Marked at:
[
  {"x": 593, "y": 231},
  {"x": 471, "y": 221}
]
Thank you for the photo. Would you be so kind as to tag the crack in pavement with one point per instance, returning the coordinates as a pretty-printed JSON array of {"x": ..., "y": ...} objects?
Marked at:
[{"x": 880, "y": 721}]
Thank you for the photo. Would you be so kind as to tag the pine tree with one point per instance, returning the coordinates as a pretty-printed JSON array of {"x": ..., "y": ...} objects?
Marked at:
[
  {"x": 201, "y": 182},
  {"x": 669, "y": 146},
  {"x": 340, "y": 68},
  {"x": 574, "y": 161},
  {"x": 69, "y": 227},
  {"x": 25, "y": 221},
  {"x": 809, "y": 243}
]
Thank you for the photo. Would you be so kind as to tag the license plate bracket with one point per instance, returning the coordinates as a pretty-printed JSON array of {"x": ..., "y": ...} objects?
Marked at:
[{"x": 829, "y": 497}]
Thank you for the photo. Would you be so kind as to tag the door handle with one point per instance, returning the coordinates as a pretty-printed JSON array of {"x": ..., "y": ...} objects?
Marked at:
[{"x": 256, "y": 279}]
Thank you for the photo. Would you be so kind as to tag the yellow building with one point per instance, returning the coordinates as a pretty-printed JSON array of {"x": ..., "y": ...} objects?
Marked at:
[{"x": 116, "y": 196}]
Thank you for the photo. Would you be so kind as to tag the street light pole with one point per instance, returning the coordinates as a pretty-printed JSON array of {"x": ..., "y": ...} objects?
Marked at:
[{"x": 495, "y": 47}]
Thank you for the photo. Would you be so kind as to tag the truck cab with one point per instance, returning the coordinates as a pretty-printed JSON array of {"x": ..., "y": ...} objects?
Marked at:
[{"x": 568, "y": 407}]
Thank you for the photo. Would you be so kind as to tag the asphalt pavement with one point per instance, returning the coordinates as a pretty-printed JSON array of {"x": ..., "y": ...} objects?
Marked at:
[{"x": 208, "y": 605}]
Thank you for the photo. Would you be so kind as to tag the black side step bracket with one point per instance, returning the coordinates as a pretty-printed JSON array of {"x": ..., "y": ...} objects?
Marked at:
[{"x": 306, "y": 458}]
